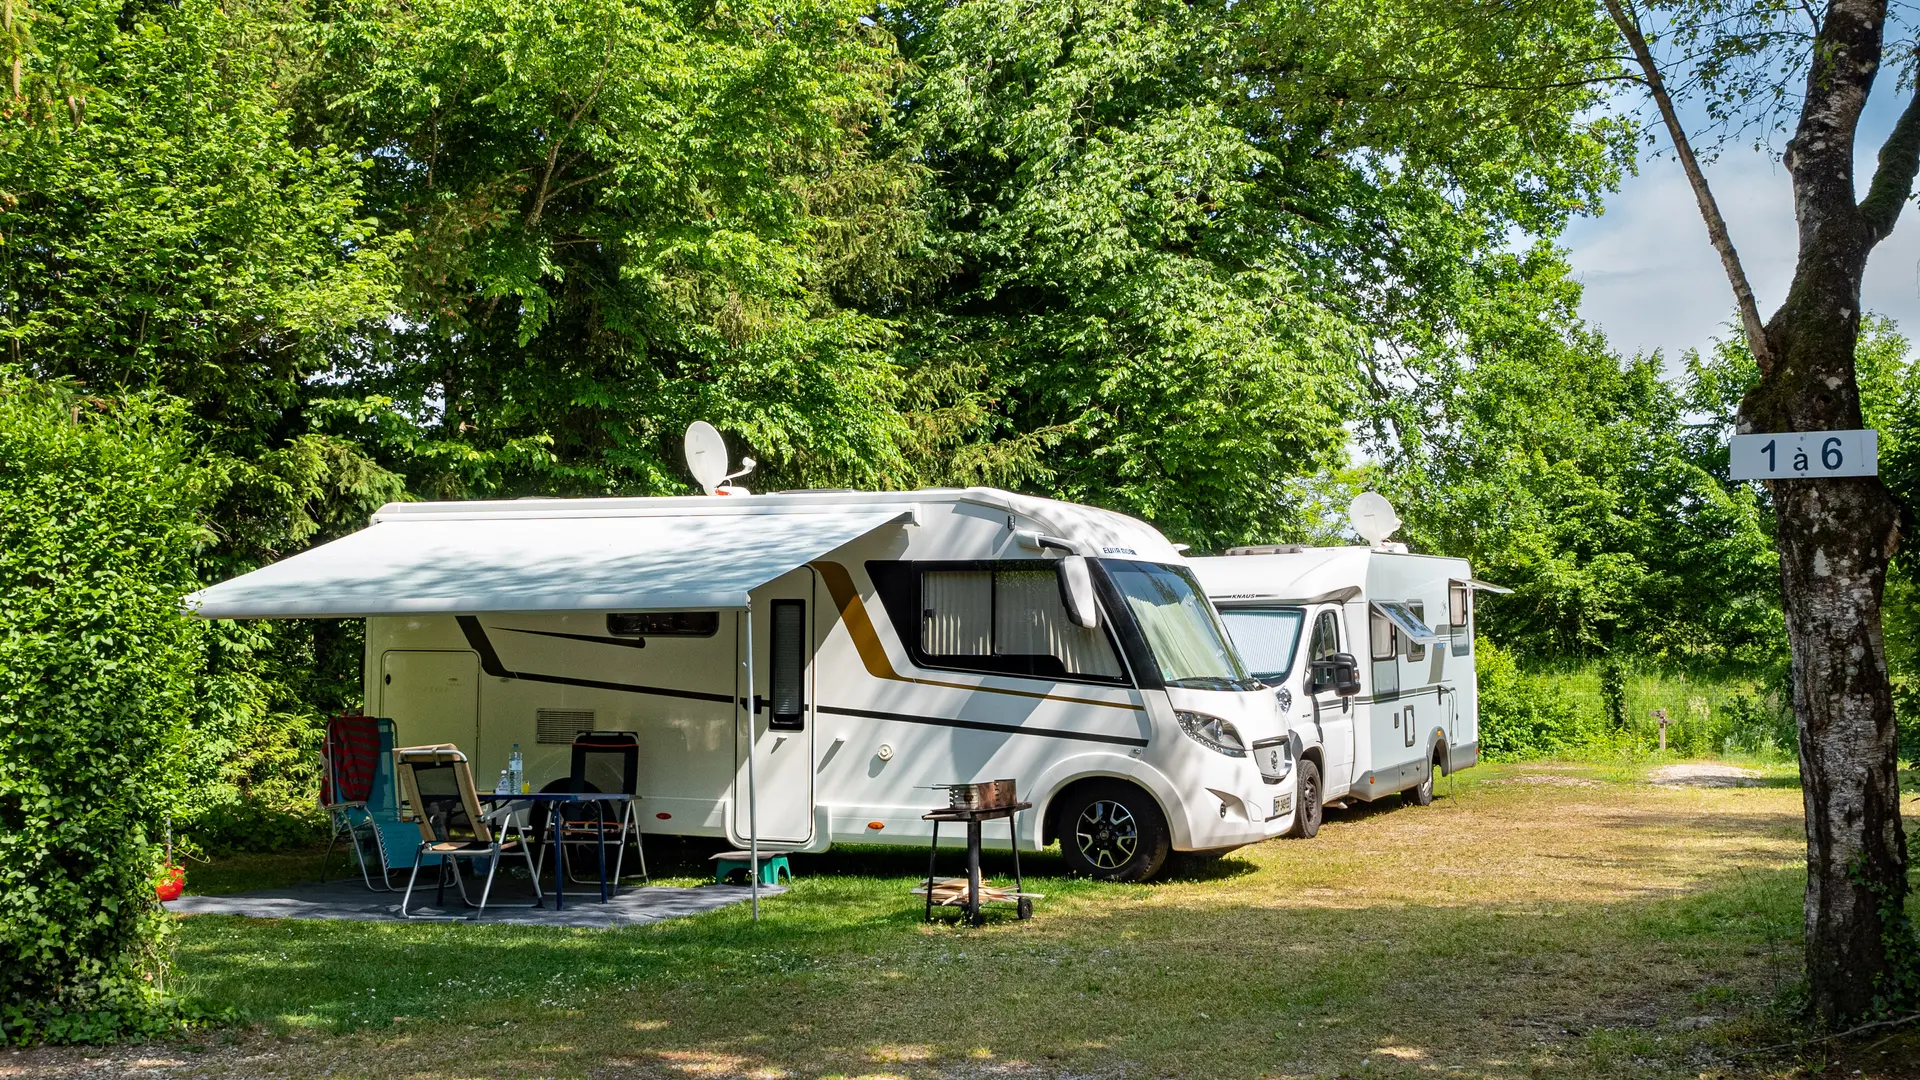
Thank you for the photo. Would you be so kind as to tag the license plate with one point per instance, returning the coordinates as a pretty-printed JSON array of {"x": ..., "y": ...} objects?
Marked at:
[{"x": 1282, "y": 804}]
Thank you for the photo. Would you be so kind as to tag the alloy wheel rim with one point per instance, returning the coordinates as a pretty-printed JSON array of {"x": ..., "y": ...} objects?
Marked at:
[{"x": 1107, "y": 834}]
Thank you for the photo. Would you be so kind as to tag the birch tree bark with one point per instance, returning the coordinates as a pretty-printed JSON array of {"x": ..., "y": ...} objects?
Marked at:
[{"x": 1835, "y": 536}]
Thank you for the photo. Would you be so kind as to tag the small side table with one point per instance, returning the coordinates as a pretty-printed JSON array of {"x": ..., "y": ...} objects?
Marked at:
[{"x": 1023, "y": 906}]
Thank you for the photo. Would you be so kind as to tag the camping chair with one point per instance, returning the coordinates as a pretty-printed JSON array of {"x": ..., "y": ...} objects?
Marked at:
[
  {"x": 438, "y": 787},
  {"x": 357, "y": 792},
  {"x": 603, "y": 761}
]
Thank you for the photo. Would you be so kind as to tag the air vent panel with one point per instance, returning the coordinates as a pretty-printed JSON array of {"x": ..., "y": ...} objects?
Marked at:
[{"x": 560, "y": 726}]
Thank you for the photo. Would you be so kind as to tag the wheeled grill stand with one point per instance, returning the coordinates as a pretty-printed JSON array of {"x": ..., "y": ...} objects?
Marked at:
[{"x": 1023, "y": 906}]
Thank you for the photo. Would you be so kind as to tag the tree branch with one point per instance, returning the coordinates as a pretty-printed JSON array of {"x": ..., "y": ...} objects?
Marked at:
[
  {"x": 1893, "y": 178},
  {"x": 1629, "y": 26}
]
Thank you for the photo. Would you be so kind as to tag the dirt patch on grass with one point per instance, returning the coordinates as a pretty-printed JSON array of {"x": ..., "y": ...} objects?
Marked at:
[
  {"x": 1544, "y": 780},
  {"x": 1704, "y": 775}
]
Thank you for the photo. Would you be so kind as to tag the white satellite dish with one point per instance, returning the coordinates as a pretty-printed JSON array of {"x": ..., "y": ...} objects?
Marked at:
[
  {"x": 1372, "y": 516},
  {"x": 706, "y": 456}
]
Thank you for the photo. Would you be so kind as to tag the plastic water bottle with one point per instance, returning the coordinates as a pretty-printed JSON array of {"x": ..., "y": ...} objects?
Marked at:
[
  {"x": 504, "y": 786},
  {"x": 516, "y": 771}
]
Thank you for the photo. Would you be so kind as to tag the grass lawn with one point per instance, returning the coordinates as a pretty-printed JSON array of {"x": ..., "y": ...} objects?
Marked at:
[{"x": 1537, "y": 920}]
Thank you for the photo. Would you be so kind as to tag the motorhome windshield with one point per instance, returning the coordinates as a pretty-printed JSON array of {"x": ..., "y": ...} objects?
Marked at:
[
  {"x": 1267, "y": 638},
  {"x": 1188, "y": 643}
]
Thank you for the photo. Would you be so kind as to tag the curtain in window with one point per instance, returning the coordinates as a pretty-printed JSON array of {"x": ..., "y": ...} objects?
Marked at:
[
  {"x": 1031, "y": 620},
  {"x": 958, "y": 620}
]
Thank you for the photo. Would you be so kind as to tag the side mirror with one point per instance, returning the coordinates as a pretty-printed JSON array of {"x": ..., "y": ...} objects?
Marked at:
[
  {"x": 1339, "y": 673},
  {"x": 1076, "y": 591}
]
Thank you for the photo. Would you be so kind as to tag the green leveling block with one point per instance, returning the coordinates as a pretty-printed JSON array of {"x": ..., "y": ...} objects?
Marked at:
[{"x": 772, "y": 865}]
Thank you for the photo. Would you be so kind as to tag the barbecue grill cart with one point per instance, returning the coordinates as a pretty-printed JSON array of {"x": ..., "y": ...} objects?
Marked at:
[{"x": 973, "y": 804}]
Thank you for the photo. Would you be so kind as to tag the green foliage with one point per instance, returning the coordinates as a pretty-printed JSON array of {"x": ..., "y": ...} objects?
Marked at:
[
  {"x": 1564, "y": 472},
  {"x": 1603, "y": 710},
  {"x": 1148, "y": 219},
  {"x": 171, "y": 229},
  {"x": 621, "y": 215},
  {"x": 1520, "y": 718},
  {"x": 1613, "y": 692},
  {"x": 165, "y": 228},
  {"x": 99, "y": 505}
]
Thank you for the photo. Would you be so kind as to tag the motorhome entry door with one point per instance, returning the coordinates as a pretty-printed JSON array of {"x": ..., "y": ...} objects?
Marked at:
[
  {"x": 783, "y": 696},
  {"x": 433, "y": 697}
]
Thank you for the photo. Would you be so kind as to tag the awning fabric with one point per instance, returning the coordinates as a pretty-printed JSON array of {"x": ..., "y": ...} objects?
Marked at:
[
  {"x": 424, "y": 563},
  {"x": 1403, "y": 617}
]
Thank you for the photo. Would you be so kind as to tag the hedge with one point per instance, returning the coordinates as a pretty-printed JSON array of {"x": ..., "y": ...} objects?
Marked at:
[{"x": 98, "y": 508}]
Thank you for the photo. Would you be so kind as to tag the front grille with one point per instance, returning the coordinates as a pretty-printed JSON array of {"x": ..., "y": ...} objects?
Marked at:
[{"x": 559, "y": 726}]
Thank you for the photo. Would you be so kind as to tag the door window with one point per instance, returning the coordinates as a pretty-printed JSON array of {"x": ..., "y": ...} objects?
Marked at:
[
  {"x": 1326, "y": 636},
  {"x": 787, "y": 681}
]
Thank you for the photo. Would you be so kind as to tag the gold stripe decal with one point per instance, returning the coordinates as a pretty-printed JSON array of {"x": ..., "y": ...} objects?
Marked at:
[{"x": 873, "y": 654}]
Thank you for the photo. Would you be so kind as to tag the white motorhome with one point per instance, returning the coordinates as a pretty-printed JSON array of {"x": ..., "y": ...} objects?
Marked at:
[
  {"x": 881, "y": 643},
  {"x": 1369, "y": 650}
]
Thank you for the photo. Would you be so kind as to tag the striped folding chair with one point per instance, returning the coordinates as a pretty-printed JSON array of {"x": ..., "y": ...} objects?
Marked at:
[{"x": 438, "y": 787}]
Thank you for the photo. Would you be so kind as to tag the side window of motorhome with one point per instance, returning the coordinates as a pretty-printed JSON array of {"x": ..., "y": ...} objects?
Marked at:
[
  {"x": 1460, "y": 616},
  {"x": 1008, "y": 620},
  {"x": 1326, "y": 637},
  {"x": 1416, "y": 651},
  {"x": 1386, "y": 639},
  {"x": 663, "y": 623}
]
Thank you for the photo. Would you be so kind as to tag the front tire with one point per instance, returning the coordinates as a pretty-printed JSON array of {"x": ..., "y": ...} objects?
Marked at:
[
  {"x": 1113, "y": 831},
  {"x": 1421, "y": 794},
  {"x": 1306, "y": 821}
]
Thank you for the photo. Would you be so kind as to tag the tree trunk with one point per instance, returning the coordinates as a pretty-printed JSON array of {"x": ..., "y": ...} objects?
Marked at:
[{"x": 1834, "y": 537}]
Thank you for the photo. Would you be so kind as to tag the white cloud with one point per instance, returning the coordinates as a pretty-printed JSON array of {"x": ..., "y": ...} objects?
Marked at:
[{"x": 1653, "y": 282}]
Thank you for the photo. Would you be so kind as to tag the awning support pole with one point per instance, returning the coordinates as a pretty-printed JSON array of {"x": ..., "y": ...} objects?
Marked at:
[{"x": 753, "y": 791}]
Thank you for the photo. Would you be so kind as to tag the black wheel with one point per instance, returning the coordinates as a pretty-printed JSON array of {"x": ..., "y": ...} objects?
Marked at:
[
  {"x": 1306, "y": 822},
  {"x": 1421, "y": 794},
  {"x": 1113, "y": 831}
]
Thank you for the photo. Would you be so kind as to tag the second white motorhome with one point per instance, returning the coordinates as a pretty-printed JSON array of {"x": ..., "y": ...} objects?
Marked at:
[
  {"x": 802, "y": 668},
  {"x": 1370, "y": 654}
]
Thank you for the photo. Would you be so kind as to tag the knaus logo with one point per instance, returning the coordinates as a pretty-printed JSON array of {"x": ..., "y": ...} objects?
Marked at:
[{"x": 1119, "y": 551}]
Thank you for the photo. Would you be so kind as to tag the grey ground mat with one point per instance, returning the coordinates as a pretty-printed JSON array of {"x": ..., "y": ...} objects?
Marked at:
[{"x": 510, "y": 904}]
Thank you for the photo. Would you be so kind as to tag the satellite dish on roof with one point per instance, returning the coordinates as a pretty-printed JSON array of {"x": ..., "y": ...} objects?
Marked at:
[
  {"x": 1372, "y": 516},
  {"x": 706, "y": 456}
]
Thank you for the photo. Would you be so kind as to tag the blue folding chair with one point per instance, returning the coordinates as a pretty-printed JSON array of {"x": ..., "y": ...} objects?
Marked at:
[{"x": 361, "y": 799}]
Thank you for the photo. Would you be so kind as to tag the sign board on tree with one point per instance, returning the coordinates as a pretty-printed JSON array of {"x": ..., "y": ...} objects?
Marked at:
[{"x": 1805, "y": 455}]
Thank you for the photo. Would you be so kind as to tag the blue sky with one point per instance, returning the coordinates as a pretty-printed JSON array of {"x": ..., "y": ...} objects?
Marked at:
[{"x": 1653, "y": 282}]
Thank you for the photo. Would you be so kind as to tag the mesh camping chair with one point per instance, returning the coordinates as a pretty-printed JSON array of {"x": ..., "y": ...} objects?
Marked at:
[
  {"x": 438, "y": 786},
  {"x": 603, "y": 761},
  {"x": 357, "y": 792}
]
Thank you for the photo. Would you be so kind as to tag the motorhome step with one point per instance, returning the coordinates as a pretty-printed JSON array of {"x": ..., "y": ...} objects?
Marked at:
[{"x": 772, "y": 865}]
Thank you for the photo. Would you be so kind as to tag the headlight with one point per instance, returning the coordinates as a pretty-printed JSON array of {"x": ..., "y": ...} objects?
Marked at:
[{"x": 1212, "y": 732}]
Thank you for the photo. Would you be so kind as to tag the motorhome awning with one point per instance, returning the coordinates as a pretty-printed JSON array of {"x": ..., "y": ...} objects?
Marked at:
[
  {"x": 470, "y": 564},
  {"x": 1410, "y": 624}
]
